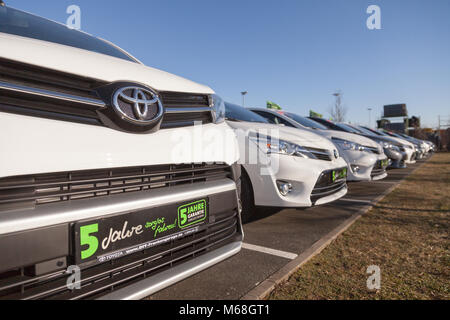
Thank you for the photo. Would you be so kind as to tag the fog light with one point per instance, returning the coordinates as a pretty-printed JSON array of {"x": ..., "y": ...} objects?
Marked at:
[
  {"x": 284, "y": 187},
  {"x": 355, "y": 169}
]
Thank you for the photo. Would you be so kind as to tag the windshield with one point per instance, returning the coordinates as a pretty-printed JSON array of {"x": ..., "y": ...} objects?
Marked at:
[
  {"x": 236, "y": 113},
  {"x": 378, "y": 133},
  {"x": 23, "y": 24},
  {"x": 391, "y": 134},
  {"x": 365, "y": 131},
  {"x": 305, "y": 121},
  {"x": 348, "y": 128}
]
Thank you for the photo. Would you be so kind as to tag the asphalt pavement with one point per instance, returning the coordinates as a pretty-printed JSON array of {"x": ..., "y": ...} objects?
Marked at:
[{"x": 274, "y": 239}]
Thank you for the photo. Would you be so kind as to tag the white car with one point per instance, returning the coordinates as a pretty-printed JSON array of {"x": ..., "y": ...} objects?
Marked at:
[
  {"x": 422, "y": 148},
  {"x": 100, "y": 178},
  {"x": 365, "y": 158},
  {"x": 285, "y": 167},
  {"x": 391, "y": 148},
  {"x": 406, "y": 146}
]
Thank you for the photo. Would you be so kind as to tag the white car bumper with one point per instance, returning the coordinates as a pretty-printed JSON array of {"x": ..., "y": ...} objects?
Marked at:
[
  {"x": 409, "y": 156},
  {"x": 361, "y": 165},
  {"x": 302, "y": 174}
]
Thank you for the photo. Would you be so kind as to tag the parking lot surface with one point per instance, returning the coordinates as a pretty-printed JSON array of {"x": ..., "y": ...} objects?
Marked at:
[{"x": 275, "y": 238}]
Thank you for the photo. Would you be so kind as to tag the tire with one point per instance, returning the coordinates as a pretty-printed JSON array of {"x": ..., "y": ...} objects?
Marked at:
[{"x": 247, "y": 198}]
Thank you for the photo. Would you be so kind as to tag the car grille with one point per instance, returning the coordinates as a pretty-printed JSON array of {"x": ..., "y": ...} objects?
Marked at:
[
  {"x": 320, "y": 154},
  {"x": 34, "y": 91},
  {"x": 101, "y": 279},
  {"x": 326, "y": 187},
  {"x": 378, "y": 169},
  {"x": 32, "y": 190}
]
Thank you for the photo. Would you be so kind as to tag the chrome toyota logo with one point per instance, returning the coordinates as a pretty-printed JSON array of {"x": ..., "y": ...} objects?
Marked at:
[
  {"x": 336, "y": 154},
  {"x": 138, "y": 105}
]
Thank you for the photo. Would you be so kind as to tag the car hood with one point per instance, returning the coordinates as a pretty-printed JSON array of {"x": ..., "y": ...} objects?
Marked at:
[
  {"x": 383, "y": 138},
  {"x": 350, "y": 137},
  {"x": 302, "y": 137},
  {"x": 91, "y": 64},
  {"x": 403, "y": 141}
]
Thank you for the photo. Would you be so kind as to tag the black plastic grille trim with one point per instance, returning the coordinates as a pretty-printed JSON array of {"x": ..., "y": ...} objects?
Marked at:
[
  {"x": 184, "y": 100},
  {"x": 46, "y": 79},
  {"x": 320, "y": 154},
  {"x": 325, "y": 187},
  {"x": 42, "y": 78},
  {"x": 378, "y": 169},
  {"x": 66, "y": 186}
]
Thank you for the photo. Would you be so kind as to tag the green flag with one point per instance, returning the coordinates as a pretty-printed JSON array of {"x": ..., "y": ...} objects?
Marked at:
[
  {"x": 272, "y": 105},
  {"x": 315, "y": 114}
]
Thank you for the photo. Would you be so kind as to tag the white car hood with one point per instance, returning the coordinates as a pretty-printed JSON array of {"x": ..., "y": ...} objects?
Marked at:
[
  {"x": 91, "y": 64},
  {"x": 301, "y": 137},
  {"x": 350, "y": 137},
  {"x": 403, "y": 141}
]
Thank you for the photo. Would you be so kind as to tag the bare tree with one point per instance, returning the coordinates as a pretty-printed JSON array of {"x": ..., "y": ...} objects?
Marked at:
[{"x": 338, "y": 111}]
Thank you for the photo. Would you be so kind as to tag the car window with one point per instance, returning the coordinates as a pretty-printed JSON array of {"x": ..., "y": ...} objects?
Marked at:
[
  {"x": 326, "y": 123},
  {"x": 347, "y": 128},
  {"x": 365, "y": 131},
  {"x": 378, "y": 133},
  {"x": 237, "y": 113},
  {"x": 305, "y": 121},
  {"x": 273, "y": 118},
  {"x": 23, "y": 24},
  {"x": 266, "y": 115},
  {"x": 279, "y": 120}
]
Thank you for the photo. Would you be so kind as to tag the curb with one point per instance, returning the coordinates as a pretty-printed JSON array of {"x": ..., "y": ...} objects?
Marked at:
[{"x": 261, "y": 291}]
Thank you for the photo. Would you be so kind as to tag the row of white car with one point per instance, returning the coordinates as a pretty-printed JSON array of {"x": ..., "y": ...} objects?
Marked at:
[
  {"x": 105, "y": 172},
  {"x": 292, "y": 161}
]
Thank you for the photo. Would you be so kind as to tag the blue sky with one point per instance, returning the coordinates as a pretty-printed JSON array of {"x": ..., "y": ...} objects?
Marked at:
[{"x": 295, "y": 53}]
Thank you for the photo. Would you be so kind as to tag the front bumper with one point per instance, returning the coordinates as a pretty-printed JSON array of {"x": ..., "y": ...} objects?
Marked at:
[
  {"x": 164, "y": 279},
  {"x": 379, "y": 170},
  {"x": 36, "y": 246},
  {"x": 398, "y": 158},
  {"x": 302, "y": 174},
  {"x": 409, "y": 156},
  {"x": 362, "y": 164}
]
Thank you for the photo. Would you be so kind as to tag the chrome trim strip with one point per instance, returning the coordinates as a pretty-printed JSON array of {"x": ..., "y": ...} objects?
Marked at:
[
  {"x": 167, "y": 278},
  {"x": 380, "y": 177},
  {"x": 64, "y": 212},
  {"x": 318, "y": 152},
  {"x": 188, "y": 110},
  {"x": 51, "y": 94},
  {"x": 332, "y": 197}
]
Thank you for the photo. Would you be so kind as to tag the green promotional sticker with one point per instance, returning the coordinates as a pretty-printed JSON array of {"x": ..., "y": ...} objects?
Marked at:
[
  {"x": 192, "y": 213},
  {"x": 341, "y": 174},
  {"x": 87, "y": 238}
]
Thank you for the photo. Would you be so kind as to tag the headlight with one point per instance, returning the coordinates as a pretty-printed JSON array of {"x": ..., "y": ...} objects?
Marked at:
[
  {"x": 348, "y": 145},
  {"x": 388, "y": 145},
  {"x": 276, "y": 146},
  {"x": 218, "y": 107}
]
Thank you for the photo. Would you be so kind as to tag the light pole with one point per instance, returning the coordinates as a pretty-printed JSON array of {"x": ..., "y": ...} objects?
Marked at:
[
  {"x": 370, "y": 117},
  {"x": 338, "y": 96},
  {"x": 243, "y": 93}
]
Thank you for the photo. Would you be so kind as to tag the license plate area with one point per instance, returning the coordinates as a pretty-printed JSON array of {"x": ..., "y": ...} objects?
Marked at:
[
  {"x": 338, "y": 175},
  {"x": 110, "y": 238}
]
